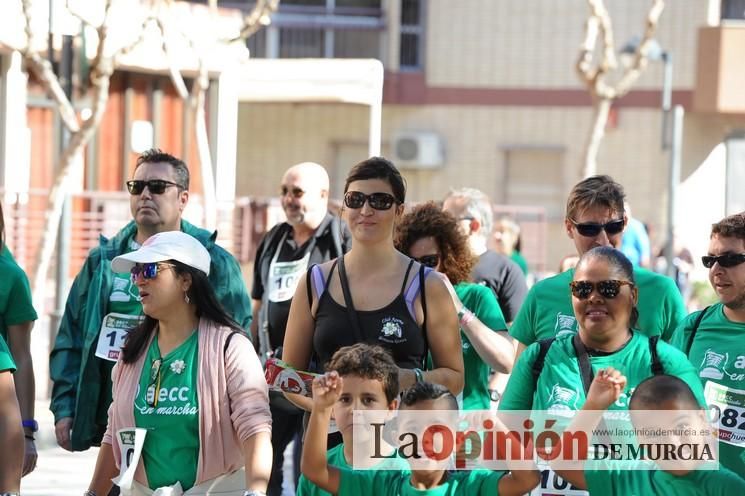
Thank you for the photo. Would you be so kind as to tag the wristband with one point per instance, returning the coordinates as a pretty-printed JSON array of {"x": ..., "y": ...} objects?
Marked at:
[
  {"x": 250, "y": 493},
  {"x": 419, "y": 375},
  {"x": 30, "y": 438},
  {"x": 465, "y": 316},
  {"x": 89, "y": 493},
  {"x": 31, "y": 424}
]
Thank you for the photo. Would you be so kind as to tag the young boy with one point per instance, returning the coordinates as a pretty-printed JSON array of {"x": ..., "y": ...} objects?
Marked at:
[
  {"x": 328, "y": 389},
  {"x": 370, "y": 382},
  {"x": 660, "y": 393}
]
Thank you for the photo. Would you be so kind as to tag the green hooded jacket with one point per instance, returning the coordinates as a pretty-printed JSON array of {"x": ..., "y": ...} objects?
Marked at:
[{"x": 82, "y": 382}]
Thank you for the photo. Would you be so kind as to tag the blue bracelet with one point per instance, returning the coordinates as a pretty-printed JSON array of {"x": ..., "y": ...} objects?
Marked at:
[{"x": 31, "y": 424}]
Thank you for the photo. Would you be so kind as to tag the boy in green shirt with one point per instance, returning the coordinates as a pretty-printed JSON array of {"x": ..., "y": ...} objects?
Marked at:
[
  {"x": 681, "y": 478},
  {"x": 329, "y": 388}
]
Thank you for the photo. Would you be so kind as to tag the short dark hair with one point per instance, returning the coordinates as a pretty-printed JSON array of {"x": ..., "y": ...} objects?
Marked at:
[
  {"x": 595, "y": 191},
  {"x": 367, "y": 362},
  {"x": 620, "y": 263},
  {"x": 155, "y": 155},
  {"x": 660, "y": 388},
  {"x": 425, "y": 391},
  {"x": 732, "y": 226},
  {"x": 429, "y": 220},
  {"x": 379, "y": 168}
]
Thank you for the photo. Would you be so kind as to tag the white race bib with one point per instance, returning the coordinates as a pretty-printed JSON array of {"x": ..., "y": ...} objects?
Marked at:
[
  {"x": 131, "y": 441},
  {"x": 114, "y": 329},
  {"x": 285, "y": 276},
  {"x": 553, "y": 485},
  {"x": 728, "y": 408}
]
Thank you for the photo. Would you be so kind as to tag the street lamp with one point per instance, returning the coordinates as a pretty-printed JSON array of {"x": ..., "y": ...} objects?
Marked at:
[{"x": 672, "y": 139}]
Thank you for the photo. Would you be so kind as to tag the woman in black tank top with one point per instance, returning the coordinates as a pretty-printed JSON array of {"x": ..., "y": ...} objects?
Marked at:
[{"x": 371, "y": 294}]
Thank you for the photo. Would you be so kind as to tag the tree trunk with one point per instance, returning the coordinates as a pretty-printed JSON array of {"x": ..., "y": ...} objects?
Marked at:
[{"x": 602, "y": 109}]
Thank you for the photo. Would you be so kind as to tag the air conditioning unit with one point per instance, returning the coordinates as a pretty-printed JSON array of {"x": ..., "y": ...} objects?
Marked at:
[{"x": 418, "y": 150}]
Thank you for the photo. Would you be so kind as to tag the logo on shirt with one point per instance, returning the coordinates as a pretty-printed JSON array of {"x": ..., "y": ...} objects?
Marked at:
[
  {"x": 712, "y": 366},
  {"x": 562, "y": 399},
  {"x": 392, "y": 330},
  {"x": 565, "y": 324}
]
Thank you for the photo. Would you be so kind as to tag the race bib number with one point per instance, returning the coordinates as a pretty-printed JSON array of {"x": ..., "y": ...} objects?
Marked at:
[
  {"x": 553, "y": 485},
  {"x": 131, "y": 441},
  {"x": 114, "y": 329},
  {"x": 727, "y": 406},
  {"x": 284, "y": 278}
]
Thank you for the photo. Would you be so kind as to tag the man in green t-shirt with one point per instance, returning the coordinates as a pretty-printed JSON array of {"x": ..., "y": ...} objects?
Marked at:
[
  {"x": 11, "y": 433},
  {"x": 595, "y": 217},
  {"x": 714, "y": 339}
]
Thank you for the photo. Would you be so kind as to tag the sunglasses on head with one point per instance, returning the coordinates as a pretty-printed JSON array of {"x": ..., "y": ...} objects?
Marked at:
[
  {"x": 378, "y": 201},
  {"x": 607, "y": 289},
  {"x": 154, "y": 186},
  {"x": 430, "y": 261},
  {"x": 727, "y": 260},
  {"x": 592, "y": 229},
  {"x": 295, "y": 192},
  {"x": 147, "y": 270}
]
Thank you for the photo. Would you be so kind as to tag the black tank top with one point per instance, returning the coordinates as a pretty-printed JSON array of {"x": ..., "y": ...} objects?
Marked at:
[{"x": 393, "y": 327}]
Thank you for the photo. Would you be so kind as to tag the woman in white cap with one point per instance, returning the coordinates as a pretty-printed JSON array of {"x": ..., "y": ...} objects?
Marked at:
[{"x": 190, "y": 407}]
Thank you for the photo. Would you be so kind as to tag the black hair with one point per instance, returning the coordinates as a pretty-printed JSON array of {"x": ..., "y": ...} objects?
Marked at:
[
  {"x": 620, "y": 263},
  {"x": 424, "y": 391},
  {"x": 661, "y": 388},
  {"x": 155, "y": 155},
  {"x": 200, "y": 293},
  {"x": 367, "y": 362},
  {"x": 379, "y": 168}
]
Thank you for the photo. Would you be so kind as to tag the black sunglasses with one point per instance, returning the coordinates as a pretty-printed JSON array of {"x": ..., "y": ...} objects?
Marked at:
[
  {"x": 154, "y": 186},
  {"x": 430, "y": 261},
  {"x": 607, "y": 289},
  {"x": 592, "y": 229},
  {"x": 378, "y": 201},
  {"x": 295, "y": 192},
  {"x": 147, "y": 270},
  {"x": 153, "y": 387},
  {"x": 727, "y": 260}
]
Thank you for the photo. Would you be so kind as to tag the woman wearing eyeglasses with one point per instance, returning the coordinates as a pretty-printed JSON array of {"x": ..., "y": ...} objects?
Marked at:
[
  {"x": 595, "y": 217},
  {"x": 556, "y": 374},
  {"x": 188, "y": 387},
  {"x": 374, "y": 293},
  {"x": 432, "y": 237}
]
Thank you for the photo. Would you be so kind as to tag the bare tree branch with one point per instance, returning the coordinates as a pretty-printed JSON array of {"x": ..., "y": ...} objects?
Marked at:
[
  {"x": 259, "y": 17},
  {"x": 640, "y": 60}
]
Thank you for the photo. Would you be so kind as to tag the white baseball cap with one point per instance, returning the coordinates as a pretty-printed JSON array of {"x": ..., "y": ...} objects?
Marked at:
[{"x": 169, "y": 245}]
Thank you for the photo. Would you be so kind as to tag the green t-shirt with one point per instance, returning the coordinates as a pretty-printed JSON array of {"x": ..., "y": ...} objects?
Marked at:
[
  {"x": 6, "y": 360},
  {"x": 171, "y": 448},
  {"x": 334, "y": 456},
  {"x": 718, "y": 356},
  {"x": 643, "y": 482},
  {"x": 520, "y": 261},
  {"x": 16, "y": 304},
  {"x": 547, "y": 310},
  {"x": 559, "y": 387},
  {"x": 391, "y": 483},
  {"x": 481, "y": 301}
]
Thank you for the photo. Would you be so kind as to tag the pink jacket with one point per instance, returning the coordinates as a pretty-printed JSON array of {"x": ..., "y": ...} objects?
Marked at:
[{"x": 233, "y": 401}]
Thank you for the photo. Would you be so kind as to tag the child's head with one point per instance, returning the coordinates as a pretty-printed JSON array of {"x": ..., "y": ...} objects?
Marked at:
[
  {"x": 369, "y": 382},
  {"x": 683, "y": 425},
  {"x": 428, "y": 396}
]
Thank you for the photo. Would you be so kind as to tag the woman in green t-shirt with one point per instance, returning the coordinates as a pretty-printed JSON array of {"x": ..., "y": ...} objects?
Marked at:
[
  {"x": 431, "y": 236},
  {"x": 191, "y": 406}
]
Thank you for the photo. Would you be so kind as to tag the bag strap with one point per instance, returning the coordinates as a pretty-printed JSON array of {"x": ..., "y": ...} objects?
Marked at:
[
  {"x": 422, "y": 276},
  {"x": 224, "y": 357},
  {"x": 585, "y": 369},
  {"x": 694, "y": 329},
  {"x": 540, "y": 360},
  {"x": 354, "y": 318},
  {"x": 657, "y": 368}
]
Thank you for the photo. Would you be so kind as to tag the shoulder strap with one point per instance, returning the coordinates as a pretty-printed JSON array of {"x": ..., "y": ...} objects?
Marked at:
[
  {"x": 353, "y": 317},
  {"x": 585, "y": 369},
  {"x": 422, "y": 275},
  {"x": 406, "y": 276},
  {"x": 694, "y": 329},
  {"x": 227, "y": 343},
  {"x": 308, "y": 285},
  {"x": 543, "y": 346},
  {"x": 657, "y": 368}
]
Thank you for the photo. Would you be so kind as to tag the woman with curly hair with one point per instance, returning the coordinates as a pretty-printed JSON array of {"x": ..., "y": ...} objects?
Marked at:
[{"x": 431, "y": 236}]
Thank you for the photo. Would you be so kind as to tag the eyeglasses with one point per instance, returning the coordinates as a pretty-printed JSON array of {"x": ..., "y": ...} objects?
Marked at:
[
  {"x": 607, "y": 289},
  {"x": 147, "y": 270},
  {"x": 378, "y": 201},
  {"x": 430, "y": 261},
  {"x": 592, "y": 229},
  {"x": 295, "y": 192},
  {"x": 727, "y": 260},
  {"x": 154, "y": 186},
  {"x": 153, "y": 387}
]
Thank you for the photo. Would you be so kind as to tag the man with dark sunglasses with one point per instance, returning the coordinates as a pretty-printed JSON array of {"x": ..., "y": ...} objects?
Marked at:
[
  {"x": 595, "y": 216},
  {"x": 311, "y": 235},
  {"x": 714, "y": 338},
  {"x": 102, "y": 306}
]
